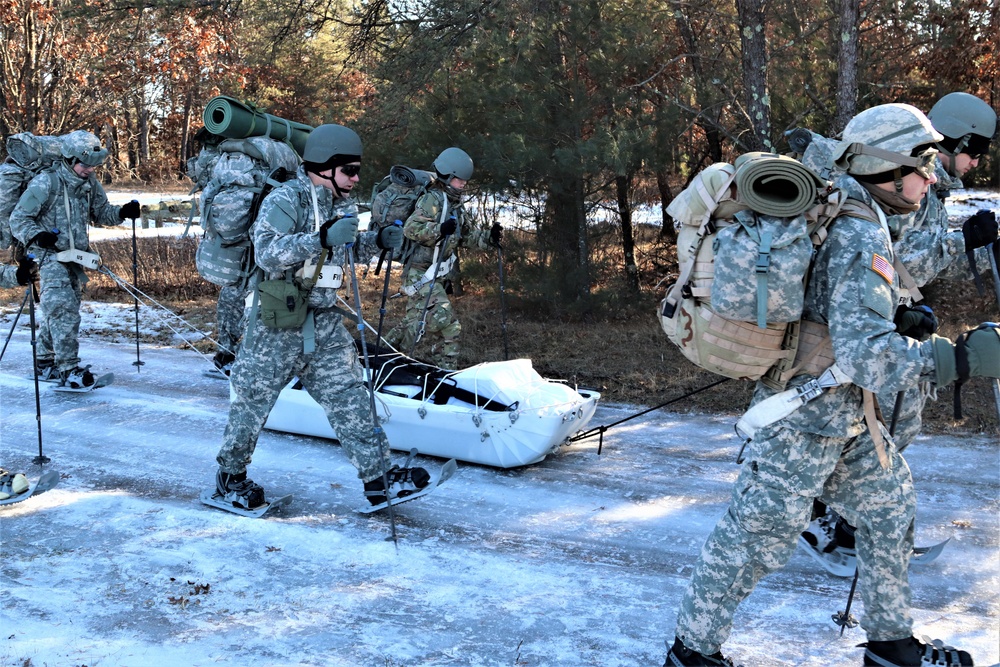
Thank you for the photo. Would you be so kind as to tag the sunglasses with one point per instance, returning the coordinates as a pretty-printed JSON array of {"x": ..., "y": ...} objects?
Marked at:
[
  {"x": 925, "y": 163},
  {"x": 350, "y": 170}
]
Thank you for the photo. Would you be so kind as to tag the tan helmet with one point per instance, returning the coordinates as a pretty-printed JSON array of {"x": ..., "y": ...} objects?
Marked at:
[
  {"x": 882, "y": 138},
  {"x": 84, "y": 147}
]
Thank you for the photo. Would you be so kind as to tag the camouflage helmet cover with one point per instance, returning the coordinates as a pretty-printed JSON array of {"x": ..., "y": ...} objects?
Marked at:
[
  {"x": 958, "y": 114},
  {"x": 454, "y": 163},
  {"x": 326, "y": 141},
  {"x": 881, "y": 138},
  {"x": 84, "y": 147}
]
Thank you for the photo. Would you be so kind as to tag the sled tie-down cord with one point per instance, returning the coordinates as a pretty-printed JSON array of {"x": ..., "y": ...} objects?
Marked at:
[{"x": 600, "y": 430}]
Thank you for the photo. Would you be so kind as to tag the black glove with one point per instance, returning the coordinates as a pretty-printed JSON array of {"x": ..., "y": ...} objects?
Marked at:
[
  {"x": 129, "y": 210},
  {"x": 916, "y": 322},
  {"x": 980, "y": 230},
  {"x": 27, "y": 270},
  {"x": 496, "y": 234},
  {"x": 46, "y": 240},
  {"x": 448, "y": 227}
]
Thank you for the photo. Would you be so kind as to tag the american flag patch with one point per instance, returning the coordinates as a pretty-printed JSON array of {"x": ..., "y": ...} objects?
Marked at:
[{"x": 883, "y": 267}]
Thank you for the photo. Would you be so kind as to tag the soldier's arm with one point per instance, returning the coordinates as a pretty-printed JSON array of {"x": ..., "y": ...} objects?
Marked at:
[
  {"x": 276, "y": 245},
  {"x": 861, "y": 282},
  {"x": 423, "y": 225},
  {"x": 102, "y": 212}
]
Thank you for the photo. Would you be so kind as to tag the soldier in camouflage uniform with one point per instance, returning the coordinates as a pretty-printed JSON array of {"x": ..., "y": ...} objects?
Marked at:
[
  {"x": 50, "y": 217},
  {"x": 438, "y": 227},
  {"x": 928, "y": 248},
  {"x": 826, "y": 448},
  {"x": 304, "y": 217}
]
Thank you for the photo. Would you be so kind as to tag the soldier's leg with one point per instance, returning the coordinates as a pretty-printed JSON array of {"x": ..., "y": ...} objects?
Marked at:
[
  {"x": 333, "y": 377},
  {"x": 61, "y": 294},
  {"x": 881, "y": 504},
  {"x": 404, "y": 334},
  {"x": 267, "y": 362},
  {"x": 770, "y": 505},
  {"x": 229, "y": 314},
  {"x": 443, "y": 329}
]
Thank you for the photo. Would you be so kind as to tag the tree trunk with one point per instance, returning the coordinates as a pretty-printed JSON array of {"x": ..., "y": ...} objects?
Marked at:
[
  {"x": 708, "y": 118},
  {"x": 667, "y": 231},
  {"x": 754, "y": 59},
  {"x": 847, "y": 64},
  {"x": 623, "y": 188}
]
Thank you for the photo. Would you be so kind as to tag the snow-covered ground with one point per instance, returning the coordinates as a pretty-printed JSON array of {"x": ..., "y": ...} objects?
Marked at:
[{"x": 578, "y": 560}]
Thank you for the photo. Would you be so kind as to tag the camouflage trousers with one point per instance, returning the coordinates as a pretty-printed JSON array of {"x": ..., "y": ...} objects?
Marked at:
[
  {"x": 771, "y": 505},
  {"x": 910, "y": 418},
  {"x": 60, "y": 292},
  {"x": 331, "y": 374},
  {"x": 442, "y": 328},
  {"x": 230, "y": 317}
]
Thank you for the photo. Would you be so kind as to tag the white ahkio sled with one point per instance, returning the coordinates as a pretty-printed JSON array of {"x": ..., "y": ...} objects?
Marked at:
[{"x": 501, "y": 414}]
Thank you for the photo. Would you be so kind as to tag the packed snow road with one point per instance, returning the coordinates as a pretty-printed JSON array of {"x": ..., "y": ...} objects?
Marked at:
[{"x": 578, "y": 560}]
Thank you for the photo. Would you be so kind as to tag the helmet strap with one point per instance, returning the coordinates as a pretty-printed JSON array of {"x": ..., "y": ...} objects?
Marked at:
[{"x": 897, "y": 180}]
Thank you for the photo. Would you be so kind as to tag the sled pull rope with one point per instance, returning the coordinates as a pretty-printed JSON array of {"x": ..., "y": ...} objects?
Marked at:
[{"x": 600, "y": 430}]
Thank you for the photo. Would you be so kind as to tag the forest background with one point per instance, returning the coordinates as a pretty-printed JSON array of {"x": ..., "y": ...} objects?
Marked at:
[{"x": 578, "y": 113}]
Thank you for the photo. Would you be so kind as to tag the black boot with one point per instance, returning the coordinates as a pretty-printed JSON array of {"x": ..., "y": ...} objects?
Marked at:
[
  {"x": 911, "y": 652},
  {"x": 402, "y": 482},
  {"x": 680, "y": 655},
  {"x": 239, "y": 490}
]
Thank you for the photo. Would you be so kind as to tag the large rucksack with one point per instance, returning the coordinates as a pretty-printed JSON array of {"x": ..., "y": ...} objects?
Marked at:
[
  {"x": 395, "y": 198},
  {"x": 736, "y": 307},
  {"x": 245, "y": 171},
  {"x": 26, "y": 156}
]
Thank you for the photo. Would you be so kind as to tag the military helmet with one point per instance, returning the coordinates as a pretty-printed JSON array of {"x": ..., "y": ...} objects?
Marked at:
[
  {"x": 958, "y": 114},
  {"x": 327, "y": 141},
  {"x": 84, "y": 147},
  {"x": 882, "y": 138},
  {"x": 454, "y": 163},
  {"x": 967, "y": 123}
]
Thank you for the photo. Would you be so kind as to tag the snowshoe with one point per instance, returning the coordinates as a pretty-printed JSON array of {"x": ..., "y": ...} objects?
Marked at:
[
  {"x": 12, "y": 484},
  {"x": 681, "y": 656},
  {"x": 238, "y": 490},
  {"x": 402, "y": 482},
  {"x": 45, "y": 371},
  {"x": 912, "y": 652},
  {"x": 830, "y": 541},
  {"x": 77, "y": 378}
]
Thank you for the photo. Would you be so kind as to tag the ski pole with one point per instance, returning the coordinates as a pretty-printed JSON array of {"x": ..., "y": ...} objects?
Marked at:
[
  {"x": 135, "y": 266},
  {"x": 376, "y": 426},
  {"x": 844, "y": 619},
  {"x": 443, "y": 243},
  {"x": 41, "y": 459},
  {"x": 503, "y": 303},
  {"x": 385, "y": 294},
  {"x": 27, "y": 295},
  {"x": 991, "y": 251}
]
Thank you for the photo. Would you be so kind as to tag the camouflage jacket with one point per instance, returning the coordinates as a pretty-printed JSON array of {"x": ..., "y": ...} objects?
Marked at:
[
  {"x": 42, "y": 207},
  {"x": 8, "y": 276},
  {"x": 286, "y": 235},
  {"x": 424, "y": 228},
  {"x": 853, "y": 289}
]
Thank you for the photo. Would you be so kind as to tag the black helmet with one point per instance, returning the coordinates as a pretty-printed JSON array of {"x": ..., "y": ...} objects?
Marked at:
[{"x": 453, "y": 163}]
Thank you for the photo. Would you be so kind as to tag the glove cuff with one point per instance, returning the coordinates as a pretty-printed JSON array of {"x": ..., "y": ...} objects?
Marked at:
[{"x": 945, "y": 367}]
